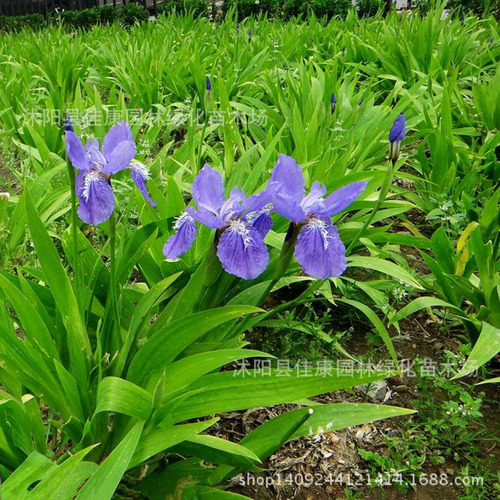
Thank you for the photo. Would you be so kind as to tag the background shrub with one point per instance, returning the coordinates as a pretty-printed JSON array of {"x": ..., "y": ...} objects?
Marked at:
[
  {"x": 478, "y": 7},
  {"x": 87, "y": 18},
  {"x": 108, "y": 14},
  {"x": 247, "y": 8},
  {"x": 368, "y": 8},
  {"x": 422, "y": 6},
  {"x": 294, "y": 8},
  {"x": 68, "y": 18},
  {"x": 16, "y": 23},
  {"x": 330, "y": 8},
  {"x": 132, "y": 13}
]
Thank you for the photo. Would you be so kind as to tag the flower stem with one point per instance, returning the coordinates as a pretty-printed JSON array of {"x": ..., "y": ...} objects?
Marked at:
[
  {"x": 381, "y": 198},
  {"x": 115, "y": 338},
  {"x": 207, "y": 105},
  {"x": 285, "y": 258},
  {"x": 74, "y": 234}
]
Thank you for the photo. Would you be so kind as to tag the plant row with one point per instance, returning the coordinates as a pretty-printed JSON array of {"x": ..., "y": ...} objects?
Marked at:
[{"x": 132, "y": 13}]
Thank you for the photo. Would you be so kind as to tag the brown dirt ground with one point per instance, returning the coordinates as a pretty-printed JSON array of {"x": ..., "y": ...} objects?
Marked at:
[{"x": 336, "y": 454}]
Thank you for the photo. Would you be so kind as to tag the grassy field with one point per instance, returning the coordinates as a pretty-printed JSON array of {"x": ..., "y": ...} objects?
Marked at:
[{"x": 116, "y": 361}]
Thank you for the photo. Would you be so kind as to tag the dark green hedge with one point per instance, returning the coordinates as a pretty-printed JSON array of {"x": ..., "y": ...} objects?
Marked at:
[
  {"x": 478, "y": 7},
  {"x": 368, "y": 8},
  {"x": 128, "y": 15}
]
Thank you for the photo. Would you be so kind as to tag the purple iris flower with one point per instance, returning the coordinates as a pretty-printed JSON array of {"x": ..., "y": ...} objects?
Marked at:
[
  {"x": 250, "y": 33},
  {"x": 396, "y": 136},
  {"x": 319, "y": 249},
  {"x": 97, "y": 166},
  {"x": 241, "y": 223},
  {"x": 209, "y": 84}
]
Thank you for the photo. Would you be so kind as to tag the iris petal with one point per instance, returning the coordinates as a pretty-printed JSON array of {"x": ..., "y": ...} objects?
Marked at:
[
  {"x": 288, "y": 207},
  {"x": 320, "y": 251},
  {"x": 207, "y": 218},
  {"x": 232, "y": 207},
  {"x": 339, "y": 200},
  {"x": 97, "y": 200},
  {"x": 94, "y": 154},
  {"x": 120, "y": 157},
  {"x": 183, "y": 239},
  {"x": 242, "y": 251},
  {"x": 208, "y": 190},
  {"x": 140, "y": 174},
  {"x": 317, "y": 192},
  {"x": 261, "y": 221},
  {"x": 76, "y": 152},
  {"x": 289, "y": 176},
  {"x": 258, "y": 201},
  {"x": 118, "y": 133}
]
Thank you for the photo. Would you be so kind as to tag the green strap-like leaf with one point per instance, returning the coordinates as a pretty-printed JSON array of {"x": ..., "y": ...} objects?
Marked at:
[
  {"x": 233, "y": 390},
  {"x": 30, "y": 471},
  {"x": 487, "y": 346},
  {"x": 377, "y": 323},
  {"x": 160, "y": 440},
  {"x": 63, "y": 481},
  {"x": 168, "y": 342},
  {"x": 218, "y": 451},
  {"x": 333, "y": 417},
  {"x": 103, "y": 483},
  {"x": 422, "y": 303},
  {"x": 60, "y": 286},
  {"x": 121, "y": 396},
  {"x": 385, "y": 267}
]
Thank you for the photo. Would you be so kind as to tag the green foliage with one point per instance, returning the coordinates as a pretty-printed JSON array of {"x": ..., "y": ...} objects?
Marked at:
[
  {"x": 196, "y": 7},
  {"x": 422, "y": 6},
  {"x": 108, "y": 14},
  {"x": 17, "y": 23},
  {"x": 130, "y": 382},
  {"x": 83, "y": 19},
  {"x": 330, "y": 8},
  {"x": 477, "y": 7},
  {"x": 367, "y": 8},
  {"x": 447, "y": 429},
  {"x": 80, "y": 19},
  {"x": 132, "y": 13},
  {"x": 248, "y": 8}
]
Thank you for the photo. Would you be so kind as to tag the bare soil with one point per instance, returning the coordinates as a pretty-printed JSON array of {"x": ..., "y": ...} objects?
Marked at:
[{"x": 329, "y": 466}]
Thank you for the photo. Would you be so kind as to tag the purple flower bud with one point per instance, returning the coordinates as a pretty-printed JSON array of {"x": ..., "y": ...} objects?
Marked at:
[
  {"x": 333, "y": 103},
  {"x": 209, "y": 84},
  {"x": 68, "y": 126},
  {"x": 396, "y": 136},
  {"x": 238, "y": 26},
  {"x": 250, "y": 32},
  {"x": 361, "y": 103}
]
